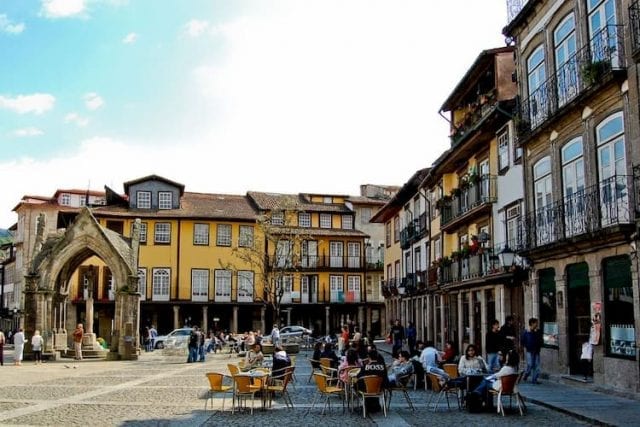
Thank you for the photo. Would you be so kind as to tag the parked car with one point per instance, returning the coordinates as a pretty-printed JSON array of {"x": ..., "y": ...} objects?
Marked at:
[
  {"x": 175, "y": 338},
  {"x": 293, "y": 331}
]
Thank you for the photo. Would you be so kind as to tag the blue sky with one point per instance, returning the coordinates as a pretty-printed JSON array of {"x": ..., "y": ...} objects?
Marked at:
[{"x": 229, "y": 96}]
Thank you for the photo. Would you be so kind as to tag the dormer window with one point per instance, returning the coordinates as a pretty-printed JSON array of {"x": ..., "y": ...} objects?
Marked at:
[
  {"x": 65, "y": 199},
  {"x": 143, "y": 199},
  {"x": 165, "y": 200}
]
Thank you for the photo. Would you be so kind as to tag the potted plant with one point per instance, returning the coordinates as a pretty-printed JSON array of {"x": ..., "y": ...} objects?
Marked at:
[
  {"x": 456, "y": 192},
  {"x": 592, "y": 72}
]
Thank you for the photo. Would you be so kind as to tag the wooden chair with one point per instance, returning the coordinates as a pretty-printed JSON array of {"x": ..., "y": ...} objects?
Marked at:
[
  {"x": 278, "y": 384},
  {"x": 233, "y": 369},
  {"x": 332, "y": 373},
  {"x": 451, "y": 369},
  {"x": 242, "y": 390},
  {"x": 324, "y": 390},
  {"x": 401, "y": 387},
  {"x": 508, "y": 388},
  {"x": 440, "y": 388},
  {"x": 216, "y": 385},
  {"x": 315, "y": 367},
  {"x": 372, "y": 385}
]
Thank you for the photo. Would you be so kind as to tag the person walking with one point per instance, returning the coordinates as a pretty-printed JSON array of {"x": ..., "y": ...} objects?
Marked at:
[
  {"x": 494, "y": 347},
  {"x": 2, "y": 341},
  {"x": 531, "y": 340},
  {"x": 36, "y": 345},
  {"x": 411, "y": 334},
  {"x": 18, "y": 347},
  {"x": 397, "y": 337},
  {"x": 78, "y": 333},
  {"x": 153, "y": 333},
  {"x": 508, "y": 332},
  {"x": 275, "y": 335}
]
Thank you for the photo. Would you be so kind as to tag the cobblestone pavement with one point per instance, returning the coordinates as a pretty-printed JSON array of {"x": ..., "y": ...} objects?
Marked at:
[{"x": 163, "y": 390}]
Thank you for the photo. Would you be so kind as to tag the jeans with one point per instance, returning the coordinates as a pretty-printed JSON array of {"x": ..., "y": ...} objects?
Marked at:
[
  {"x": 200, "y": 353},
  {"x": 193, "y": 354},
  {"x": 493, "y": 362},
  {"x": 533, "y": 366}
]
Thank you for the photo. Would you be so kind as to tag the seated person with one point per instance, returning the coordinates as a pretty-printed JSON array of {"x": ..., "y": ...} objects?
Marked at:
[
  {"x": 374, "y": 366},
  {"x": 280, "y": 360},
  {"x": 350, "y": 361},
  {"x": 450, "y": 354},
  {"x": 401, "y": 367},
  {"x": 471, "y": 363},
  {"x": 493, "y": 381},
  {"x": 253, "y": 358},
  {"x": 431, "y": 359},
  {"x": 330, "y": 354}
]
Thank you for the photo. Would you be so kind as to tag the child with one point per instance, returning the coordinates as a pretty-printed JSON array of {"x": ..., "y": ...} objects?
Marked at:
[{"x": 586, "y": 358}]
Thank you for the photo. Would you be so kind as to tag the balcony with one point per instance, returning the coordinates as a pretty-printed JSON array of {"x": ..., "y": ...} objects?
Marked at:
[
  {"x": 320, "y": 262},
  {"x": 466, "y": 202},
  {"x": 583, "y": 214},
  {"x": 413, "y": 232},
  {"x": 474, "y": 267},
  {"x": 588, "y": 68},
  {"x": 475, "y": 115}
]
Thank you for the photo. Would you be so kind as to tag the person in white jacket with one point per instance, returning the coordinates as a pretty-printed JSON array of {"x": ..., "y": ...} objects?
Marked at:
[
  {"x": 493, "y": 381},
  {"x": 36, "y": 345},
  {"x": 18, "y": 347}
]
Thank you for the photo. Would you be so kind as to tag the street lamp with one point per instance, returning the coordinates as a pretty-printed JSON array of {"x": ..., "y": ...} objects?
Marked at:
[{"x": 507, "y": 257}]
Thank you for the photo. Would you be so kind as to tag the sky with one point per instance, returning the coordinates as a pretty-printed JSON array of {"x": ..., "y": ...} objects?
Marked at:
[{"x": 231, "y": 96}]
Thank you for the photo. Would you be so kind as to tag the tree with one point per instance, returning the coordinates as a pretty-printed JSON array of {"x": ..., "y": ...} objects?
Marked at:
[{"x": 274, "y": 253}]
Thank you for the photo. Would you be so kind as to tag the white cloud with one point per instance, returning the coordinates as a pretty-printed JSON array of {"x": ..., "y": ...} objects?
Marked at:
[
  {"x": 9, "y": 27},
  {"x": 36, "y": 103},
  {"x": 27, "y": 132},
  {"x": 130, "y": 38},
  {"x": 63, "y": 8},
  {"x": 76, "y": 119},
  {"x": 93, "y": 101},
  {"x": 195, "y": 27}
]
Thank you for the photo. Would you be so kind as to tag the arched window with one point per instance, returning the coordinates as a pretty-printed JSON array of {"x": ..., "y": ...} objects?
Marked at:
[
  {"x": 564, "y": 46},
  {"x": 538, "y": 97},
  {"x": 612, "y": 169}
]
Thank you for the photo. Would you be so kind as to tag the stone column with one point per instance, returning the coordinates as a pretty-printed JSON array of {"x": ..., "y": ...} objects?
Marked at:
[
  {"x": 442, "y": 337},
  {"x": 289, "y": 316},
  {"x": 499, "y": 297},
  {"x": 235, "y": 319},
  {"x": 484, "y": 326},
  {"x": 176, "y": 317},
  {"x": 327, "y": 326},
  {"x": 205, "y": 321},
  {"x": 563, "y": 321},
  {"x": 428, "y": 318},
  {"x": 263, "y": 324},
  {"x": 368, "y": 320},
  {"x": 472, "y": 318},
  {"x": 361, "y": 318},
  {"x": 461, "y": 295}
]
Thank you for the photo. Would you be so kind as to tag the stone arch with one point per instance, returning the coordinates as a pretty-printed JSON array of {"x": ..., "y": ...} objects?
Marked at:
[{"x": 54, "y": 262}]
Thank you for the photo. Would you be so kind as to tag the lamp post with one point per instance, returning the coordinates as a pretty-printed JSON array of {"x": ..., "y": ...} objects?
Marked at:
[{"x": 507, "y": 257}]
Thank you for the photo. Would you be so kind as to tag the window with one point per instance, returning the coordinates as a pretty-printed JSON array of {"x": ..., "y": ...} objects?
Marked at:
[
  {"x": 143, "y": 231},
  {"x": 83, "y": 201},
  {"x": 336, "y": 252},
  {"x": 223, "y": 285},
  {"x": 602, "y": 31},
  {"x": 223, "y": 235},
  {"x": 65, "y": 199},
  {"x": 353, "y": 289},
  {"x": 336, "y": 287},
  {"x": 309, "y": 253},
  {"x": 165, "y": 200},
  {"x": 117, "y": 226},
  {"x": 564, "y": 40},
  {"x": 347, "y": 222},
  {"x": 620, "y": 334},
  {"x": 142, "y": 283},
  {"x": 245, "y": 286},
  {"x": 396, "y": 229},
  {"x": 143, "y": 199},
  {"x": 199, "y": 284},
  {"x": 284, "y": 254},
  {"x": 548, "y": 322},
  {"x": 304, "y": 219},
  {"x": 284, "y": 284},
  {"x": 245, "y": 238},
  {"x": 544, "y": 218},
  {"x": 512, "y": 219},
  {"x": 503, "y": 149},
  {"x": 201, "y": 234},
  {"x": 573, "y": 187},
  {"x": 277, "y": 218},
  {"x": 162, "y": 234},
  {"x": 437, "y": 250},
  {"x": 161, "y": 280},
  {"x": 327, "y": 200},
  {"x": 536, "y": 76},
  {"x": 387, "y": 233},
  {"x": 365, "y": 215},
  {"x": 614, "y": 188},
  {"x": 417, "y": 207},
  {"x": 325, "y": 220},
  {"x": 353, "y": 255}
]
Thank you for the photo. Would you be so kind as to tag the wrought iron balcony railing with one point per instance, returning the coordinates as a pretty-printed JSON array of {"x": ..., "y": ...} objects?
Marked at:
[
  {"x": 484, "y": 263},
  {"x": 583, "y": 70},
  {"x": 414, "y": 231},
  {"x": 470, "y": 198},
  {"x": 318, "y": 262},
  {"x": 584, "y": 212}
]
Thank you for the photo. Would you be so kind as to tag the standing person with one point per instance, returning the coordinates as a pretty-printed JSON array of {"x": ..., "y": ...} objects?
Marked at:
[
  {"x": 343, "y": 340},
  {"x": 18, "y": 347},
  {"x": 586, "y": 358},
  {"x": 275, "y": 335},
  {"x": 146, "y": 336},
  {"x": 412, "y": 335},
  {"x": 193, "y": 346},
  {"x": 36, "y": 346},
  {"x": 508, "y": 332},
  {"x": 2, "y": 341},
  {"x": 153, "y": 333},
  {"x": 494, "y": 346},
  {"x": 397, "y": 337},
  {"x": 78, "y": 333},
  {"x": 201, "y": 339},
  {"x": 531, "y": 340}
]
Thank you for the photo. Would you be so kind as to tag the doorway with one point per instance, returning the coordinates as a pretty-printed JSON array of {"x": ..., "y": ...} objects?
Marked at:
[{"x": 578, "y": 312}]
